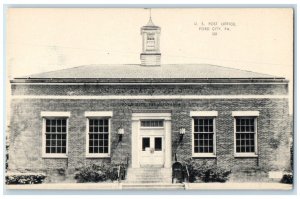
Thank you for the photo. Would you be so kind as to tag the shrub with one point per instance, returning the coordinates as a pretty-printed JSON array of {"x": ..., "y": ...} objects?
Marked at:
[
  {"x": 97, "y": 173},
  {"x": 206, "y": 173},
  {"x": 6, "y": 152},
  {"x": 287, "y": 179},
  {"x": 24, "y": 178}
]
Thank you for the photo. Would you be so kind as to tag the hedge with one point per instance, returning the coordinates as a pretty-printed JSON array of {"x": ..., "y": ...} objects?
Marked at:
[{"x": 24, "y": 178}]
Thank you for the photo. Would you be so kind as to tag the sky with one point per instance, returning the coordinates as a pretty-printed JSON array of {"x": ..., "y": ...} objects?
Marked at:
[{"x": 47, "y": 39}]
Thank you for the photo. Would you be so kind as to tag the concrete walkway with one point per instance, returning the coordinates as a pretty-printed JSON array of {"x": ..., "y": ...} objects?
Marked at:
[
  {"x": 158, "y": 186},
  {"x": 238, "y": 186}
]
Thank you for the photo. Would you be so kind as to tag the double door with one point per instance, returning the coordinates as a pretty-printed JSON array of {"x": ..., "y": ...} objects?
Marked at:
[{"x": 152, "y": 150}]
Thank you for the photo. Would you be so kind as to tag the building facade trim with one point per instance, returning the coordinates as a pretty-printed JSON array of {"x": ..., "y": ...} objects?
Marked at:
[
  {"x": 98, "y": 114},
  {"x": 105, "y": 97},
  {"x": 204, "y": 113},
  {"x": 245, "y": 113},
  {"x": 149, "y": 83},
  {"x": 55, "y": 114}
]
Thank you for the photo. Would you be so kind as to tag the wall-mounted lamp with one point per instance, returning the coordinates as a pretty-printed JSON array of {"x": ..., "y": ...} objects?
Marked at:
[
  {"x": 120, "y": 133},
  {"x": 181, "y": 133}
]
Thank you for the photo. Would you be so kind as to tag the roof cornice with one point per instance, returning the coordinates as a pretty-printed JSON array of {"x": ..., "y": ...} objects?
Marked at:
[{"x": 149, "y": 80}]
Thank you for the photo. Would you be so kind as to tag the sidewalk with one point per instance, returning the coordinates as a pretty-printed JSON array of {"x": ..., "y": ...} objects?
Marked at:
[
  {"x": 119, "y": 186},
  {"x": 238, "y": 186}
]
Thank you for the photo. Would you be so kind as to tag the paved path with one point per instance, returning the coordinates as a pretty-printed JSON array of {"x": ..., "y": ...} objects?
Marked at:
[
  {"x": 238, "y": 186},
  {"x": 188, "y": 186}
]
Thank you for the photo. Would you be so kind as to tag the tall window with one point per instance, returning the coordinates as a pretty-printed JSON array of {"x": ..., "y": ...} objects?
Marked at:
[
  {"x": 203, "y": 136},
  {"x": 98, "y": 135},
  {"x": 56, "y": 136},
  {"x": 245, "y": 135}
]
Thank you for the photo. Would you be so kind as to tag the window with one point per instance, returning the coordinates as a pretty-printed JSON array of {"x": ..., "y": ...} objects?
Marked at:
[
  {"x": 152, "y": 142},
  {"x": 98, "y": 136},
  {"x": 245, "y": 135},
  {"x": 158, "y": 144},
  {"x": 55, "y": 134},
  {"x": 150, "y": 37},
  {"x": 150, "y": 42},
  {"x": 145, "y": 143},
  {"x": 203, "y": 136},
  {"x": 152, "y": 123},
  {"x": 204, "y": 133},
  {"x": 98, "y": 133}
]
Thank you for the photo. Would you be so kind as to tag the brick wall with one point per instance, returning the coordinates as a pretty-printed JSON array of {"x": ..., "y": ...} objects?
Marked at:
[
  {"x": 207, "y": 89},
  {"x": 26, "y": 128}
]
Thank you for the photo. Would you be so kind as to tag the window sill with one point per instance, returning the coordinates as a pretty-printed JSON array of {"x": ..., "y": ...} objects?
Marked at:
[
  {"x": 247, "y": 155},
  {"x": 54, "y": 156},
  {"x": 204, "y": 156},
  {"x": 97, "y": 155}
]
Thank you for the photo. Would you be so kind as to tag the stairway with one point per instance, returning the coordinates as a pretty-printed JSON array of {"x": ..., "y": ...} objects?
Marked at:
[
  {"x": 149, "y": 175},
  {"x": 155, "y": 186}
]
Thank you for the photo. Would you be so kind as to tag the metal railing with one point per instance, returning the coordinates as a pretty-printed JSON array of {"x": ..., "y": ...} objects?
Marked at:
[
  {"x": 187, "y": 173},
  {"x": 184, "y": 169},
  {"x": 119, "y": 171},
  {"x": 122, "y": 168}
]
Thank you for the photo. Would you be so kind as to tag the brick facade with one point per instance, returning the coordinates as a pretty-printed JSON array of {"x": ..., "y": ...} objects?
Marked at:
[
  {"x": 26, "y": 123},
  {"x": 207, "y": 89}
]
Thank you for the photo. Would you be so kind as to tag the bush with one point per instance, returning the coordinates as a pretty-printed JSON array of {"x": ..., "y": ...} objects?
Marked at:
[
  {"x": 287, "y": 179},
  {"x": 98, "y": 173},
  {"x": 24, "y": 178},
  {"x": 206, "y": 173}
]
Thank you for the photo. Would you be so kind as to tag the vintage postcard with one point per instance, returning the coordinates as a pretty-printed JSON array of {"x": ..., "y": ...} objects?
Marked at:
[{"x": 149, "y": 99}]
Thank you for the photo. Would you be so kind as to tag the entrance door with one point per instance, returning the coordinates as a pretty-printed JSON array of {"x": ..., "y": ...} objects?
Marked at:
[
  {"x": 152, "y": 151},
  {"x": 151, "y": 140}
]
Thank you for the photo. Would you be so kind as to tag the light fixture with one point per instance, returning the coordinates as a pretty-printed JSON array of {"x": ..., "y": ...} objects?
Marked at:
[
  {"x": 181, "y": 133},
  {"x": 120, "y": 133}
]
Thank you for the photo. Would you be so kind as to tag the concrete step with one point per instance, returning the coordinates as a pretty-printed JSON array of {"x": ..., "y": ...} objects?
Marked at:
[
  {"x": 149, "y": 179},
  {"x": 152, "y": 186},
  {"x": 154, "y": 170},
  {"x": 145, "y": 177},
  {"x": 149, "y": 175}
]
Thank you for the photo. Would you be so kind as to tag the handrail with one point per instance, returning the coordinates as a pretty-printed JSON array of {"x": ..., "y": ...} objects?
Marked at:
[
  {"x": 187, "y": 172},
  {"x": 119, "y": 171},
  {"x": 121, "y": 174}
]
